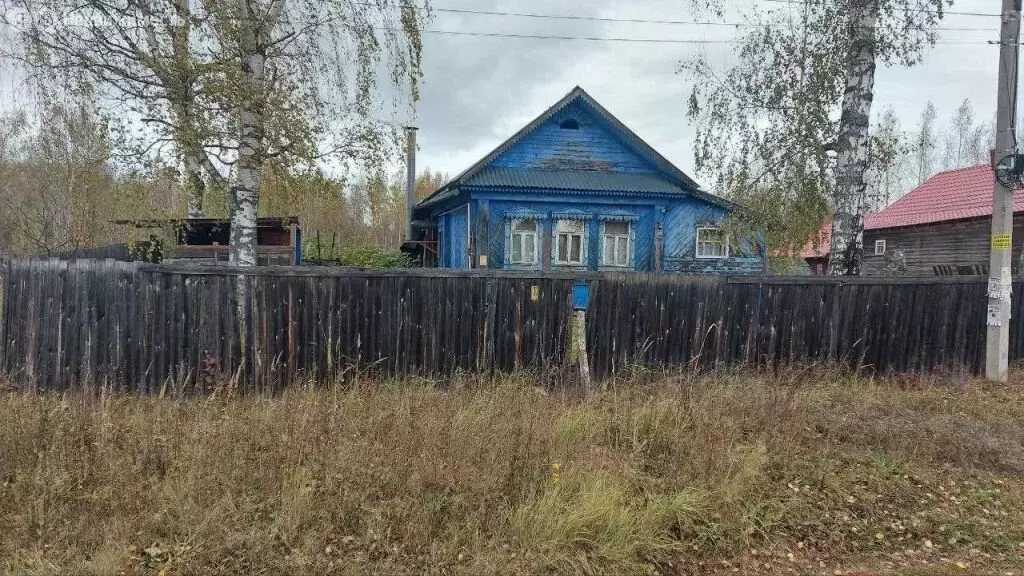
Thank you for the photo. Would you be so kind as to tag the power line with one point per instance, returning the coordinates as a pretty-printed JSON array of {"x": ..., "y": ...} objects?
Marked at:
[
  {"x": 586, "y": 18},
  {"x": 635, "y": 40},
  {"x": 588, "y": 38},
  {"x": 642, "y": 20}
]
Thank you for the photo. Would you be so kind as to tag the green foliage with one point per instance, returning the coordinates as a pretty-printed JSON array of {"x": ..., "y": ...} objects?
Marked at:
[
  {"x": 895, "y": 263},
  {"x": 56, "y": 187},
  {"x": 788, "y": 266},
  {"x": 890, "y": 146},
  {"x": 357, "y": 256},
  {"x": 151, "y": 250},
  {"x": 767, "y": 129},
  {"x": 181, "y": 81}
]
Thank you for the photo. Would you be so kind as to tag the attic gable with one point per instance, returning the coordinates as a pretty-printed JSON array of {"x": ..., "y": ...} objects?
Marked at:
[
  {"x": 623, "y": 142},
  {"x": 574, "y": 138}
]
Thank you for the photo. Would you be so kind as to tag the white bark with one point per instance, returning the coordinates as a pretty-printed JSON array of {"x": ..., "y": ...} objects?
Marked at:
[
  {"x": 847, "y": 249},
  {"x": 247, "y": 180},
  {"x": 246, "y": 189}
]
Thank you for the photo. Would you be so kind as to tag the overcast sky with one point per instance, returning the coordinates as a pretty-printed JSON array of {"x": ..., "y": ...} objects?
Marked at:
[{"x": 479, "y": 90}]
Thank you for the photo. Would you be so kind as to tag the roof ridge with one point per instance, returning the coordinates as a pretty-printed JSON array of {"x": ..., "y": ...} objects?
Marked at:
[{"x": 962, "y": 169}]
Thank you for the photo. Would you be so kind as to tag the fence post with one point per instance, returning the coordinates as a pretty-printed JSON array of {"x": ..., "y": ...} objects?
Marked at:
[
  {"x": 833, "y": 323},
  {"x": 580, "y": 301},
  {"x": 490, "y": 298}
]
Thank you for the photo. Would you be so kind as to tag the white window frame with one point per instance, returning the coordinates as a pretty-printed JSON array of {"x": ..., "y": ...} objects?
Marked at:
[
  {"x": 628, "y": 236},
  {"x": 535, "y": 257},
  {"x": 725, "y": 240},
  {"x": 879, "y": 247},
  {"x": 557, "y": 237}
]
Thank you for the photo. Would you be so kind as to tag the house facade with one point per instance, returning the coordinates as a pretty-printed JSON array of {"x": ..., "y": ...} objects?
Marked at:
[
  {"x": 942, "y": 227},
  {"x": 575, "y": 189}
]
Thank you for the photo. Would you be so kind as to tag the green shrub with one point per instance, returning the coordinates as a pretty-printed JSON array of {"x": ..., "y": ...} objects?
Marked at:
[{"x": 357, "y": 256}]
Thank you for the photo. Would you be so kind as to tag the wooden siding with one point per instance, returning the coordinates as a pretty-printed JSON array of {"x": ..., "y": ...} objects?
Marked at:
[
  {"x": 962, "y": 243},
  {"x": 681, "y": 222},
  {"x": 454, "y": 237},
  {"x": 591, "y": 147},
  {"x": 682, "y": 216}
]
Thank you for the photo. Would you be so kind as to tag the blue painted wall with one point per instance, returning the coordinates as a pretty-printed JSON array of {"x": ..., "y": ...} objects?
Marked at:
[
  {"x": 594, "y": 146},
  {"x": 681, "y": 221},
  {"x": 597, "y": 145},
  {"x": 681, "y": 217},
  {"x": 453, "y": 237}
]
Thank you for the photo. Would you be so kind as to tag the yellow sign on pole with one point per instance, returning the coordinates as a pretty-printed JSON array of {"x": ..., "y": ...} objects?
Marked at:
[{"x": 1001, "y": 241}]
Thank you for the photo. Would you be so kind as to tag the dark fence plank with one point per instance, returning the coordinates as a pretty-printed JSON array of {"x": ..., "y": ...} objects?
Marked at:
[
  {"x": 885, "y": 325},
  {"x": 95, "y": 325}
]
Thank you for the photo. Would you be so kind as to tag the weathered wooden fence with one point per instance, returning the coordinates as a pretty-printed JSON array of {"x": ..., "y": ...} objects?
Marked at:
[
  {"x": 141, "y": 327},
  {"x": 881, "y": 324}
]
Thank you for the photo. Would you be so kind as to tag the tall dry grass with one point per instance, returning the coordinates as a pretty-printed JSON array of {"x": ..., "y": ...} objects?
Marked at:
[{"x": 507, "y": 478}]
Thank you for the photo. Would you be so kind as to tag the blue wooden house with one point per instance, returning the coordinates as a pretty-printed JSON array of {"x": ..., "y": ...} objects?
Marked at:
[{"x": 577, "y": 190}]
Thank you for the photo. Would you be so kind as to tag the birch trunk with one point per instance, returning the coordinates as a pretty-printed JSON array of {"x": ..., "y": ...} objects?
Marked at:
[
  {"x": 847, "y": 249},
  {"x": 245, "y": 191}
]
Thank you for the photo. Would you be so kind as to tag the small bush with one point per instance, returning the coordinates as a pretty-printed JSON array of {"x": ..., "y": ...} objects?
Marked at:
[{"x": 357, "y": 256}]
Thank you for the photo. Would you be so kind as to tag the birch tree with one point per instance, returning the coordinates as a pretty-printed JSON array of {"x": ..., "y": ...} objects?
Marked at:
[
  {"x": 791, "y": 120},
  {"x": 966, "y": 139},
  {"x": 143, "y": 60},
  {"x": 887, "y": 164},
  {"x": 925, "y": 143},
  {"x": 55, "y": 183},
  {"x": 301, "y": 83},
  {"x": 233, "y": 85}
]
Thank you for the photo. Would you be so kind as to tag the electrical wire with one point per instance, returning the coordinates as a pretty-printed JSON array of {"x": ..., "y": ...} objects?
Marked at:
[
  {"x": 634, "y": 40},
  {"x": 639, "y": 20}
]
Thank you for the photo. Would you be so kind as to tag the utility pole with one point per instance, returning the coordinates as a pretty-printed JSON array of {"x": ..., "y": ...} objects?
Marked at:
[
  {"x": 410, "y": 179},
  {"x": 1008, "y": 169}
]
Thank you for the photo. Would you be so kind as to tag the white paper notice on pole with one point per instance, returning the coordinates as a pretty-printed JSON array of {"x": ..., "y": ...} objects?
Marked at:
[
  {"x": 1006, "y": 279},
  {"x": 995, "y": 316},
  {"x": 995, "y": 288}
]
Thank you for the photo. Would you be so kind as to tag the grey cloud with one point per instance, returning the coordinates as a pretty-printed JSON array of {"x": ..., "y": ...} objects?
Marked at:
[{"x": 478, "y": 91}]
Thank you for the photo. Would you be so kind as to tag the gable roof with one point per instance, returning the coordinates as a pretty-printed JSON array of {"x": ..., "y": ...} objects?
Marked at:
[
  {"x": 951, "y": 195},
  {"x": 574, "y": 179}
]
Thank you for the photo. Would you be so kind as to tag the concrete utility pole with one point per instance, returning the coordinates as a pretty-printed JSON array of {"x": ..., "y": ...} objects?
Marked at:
[
  {"x": 1008, "y": 169},
  {"x": 410, "y": 178}
]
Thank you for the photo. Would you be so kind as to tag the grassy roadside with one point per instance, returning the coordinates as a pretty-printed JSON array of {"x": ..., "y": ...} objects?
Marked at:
[{"x": 809, "y": 472}]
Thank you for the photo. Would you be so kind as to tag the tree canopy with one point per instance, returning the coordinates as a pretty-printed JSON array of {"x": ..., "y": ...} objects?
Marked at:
[{"x": 785, "y": 129}]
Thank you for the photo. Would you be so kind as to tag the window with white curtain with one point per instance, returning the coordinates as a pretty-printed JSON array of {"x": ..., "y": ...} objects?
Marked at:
[
  {"x": 569, "y": 246},
  {"x": 616, "y": 243},
  {"x": 523, "y": 250}
]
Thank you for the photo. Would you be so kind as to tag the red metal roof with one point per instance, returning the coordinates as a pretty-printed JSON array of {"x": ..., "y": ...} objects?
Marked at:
[
  {"x": 817, "y": 245},
  {"x": 951, "y": 195}
]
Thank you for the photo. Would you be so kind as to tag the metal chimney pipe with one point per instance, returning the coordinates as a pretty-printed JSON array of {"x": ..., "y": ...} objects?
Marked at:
[{"x": 410, "y": 178}]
